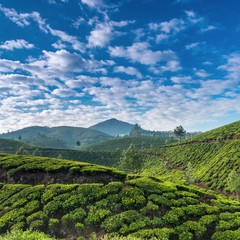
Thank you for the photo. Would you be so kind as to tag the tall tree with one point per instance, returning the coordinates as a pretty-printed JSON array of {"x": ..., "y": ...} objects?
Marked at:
[
  {"x": 131, "y": 160},
  {"x": 179, "y": 132}
]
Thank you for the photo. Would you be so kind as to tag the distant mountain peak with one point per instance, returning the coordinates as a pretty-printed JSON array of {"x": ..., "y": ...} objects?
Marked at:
[{"x": 113, "y": 127}]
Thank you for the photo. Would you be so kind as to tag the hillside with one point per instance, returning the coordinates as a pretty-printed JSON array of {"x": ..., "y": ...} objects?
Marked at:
[
  {"x": 229, "y": 131},
  {"x": 57, "y": 137},
  {"x": 124, "y": 142},
  {"x": 106, "y": 158},
  {"x": 113, "y": 127},
  {"x": 213, "y": 155},
  {"x": 67, "y": 200},
  {"x": 11, "y": 146}
]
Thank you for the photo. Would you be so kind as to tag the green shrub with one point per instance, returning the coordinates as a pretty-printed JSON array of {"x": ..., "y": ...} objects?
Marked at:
[{"x": 26, "y": 235}]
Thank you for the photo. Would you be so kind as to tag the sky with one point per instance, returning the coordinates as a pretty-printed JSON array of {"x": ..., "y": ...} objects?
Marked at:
[{"x": 156, "y": 63}]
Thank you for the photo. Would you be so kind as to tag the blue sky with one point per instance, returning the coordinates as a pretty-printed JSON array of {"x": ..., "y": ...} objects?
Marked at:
[{"x": 157, "y": 63}]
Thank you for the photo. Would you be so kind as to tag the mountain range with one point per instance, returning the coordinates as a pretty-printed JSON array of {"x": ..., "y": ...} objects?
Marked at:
[{"x": 66, "y": 137}]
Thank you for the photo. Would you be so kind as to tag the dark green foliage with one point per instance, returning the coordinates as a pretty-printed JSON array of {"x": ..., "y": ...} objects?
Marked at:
[{"x": 179, "y": 132}]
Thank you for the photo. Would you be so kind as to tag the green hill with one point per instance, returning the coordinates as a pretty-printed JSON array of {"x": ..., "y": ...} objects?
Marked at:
[
  {"x": 66, "y": 199},
  {"x": 212, "y": 155},
  {"x": 113, "y": 127},
  {"x": 124, "y": 142},
  {"x": 57, "y": 137},
  {"x": 229, "y": 131}
]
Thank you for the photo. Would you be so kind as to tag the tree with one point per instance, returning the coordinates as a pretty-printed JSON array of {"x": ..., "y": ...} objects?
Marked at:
[
  {"x": 189, "y": 173},
  {"x": 233, "y": 182},
  {"x": 179, "y": 132},
  {"x": 136, "y": 131},
  {"x": 78, "y": 143},
  {"x": 131, "y": 160},
  {"x": 21, "y": 151},
  {"x": 19, "y": 138}
]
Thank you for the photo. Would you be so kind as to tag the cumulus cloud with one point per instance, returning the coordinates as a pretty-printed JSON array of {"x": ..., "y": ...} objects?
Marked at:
[
  {"x": 104, "y": 32},
  {"x": 16, "y": 44},
  {"x": 100, "y": 36},
  {"x": 141, "y": 52},
  {"x": 25, "y": 19},
  {"x": 232, "y": 66},
  {"x": 128, "y": 70}
]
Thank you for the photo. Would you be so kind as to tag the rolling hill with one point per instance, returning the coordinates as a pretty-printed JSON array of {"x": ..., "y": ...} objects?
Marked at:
[
  {"x": 212, "y": 155},
  {"x": 113, "y": 127},
  {"x": 57, "y": 137},
  {"x": 71, "y": 200}
]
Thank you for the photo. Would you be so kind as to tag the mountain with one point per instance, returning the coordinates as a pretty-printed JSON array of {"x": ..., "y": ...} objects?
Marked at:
[
  {"x": 57, "y": 137},
  {"x": 113, "y": 127},
  {"x": 73, "y": 200}
]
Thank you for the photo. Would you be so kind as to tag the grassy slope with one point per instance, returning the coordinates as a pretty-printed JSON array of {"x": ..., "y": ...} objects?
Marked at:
[
  {"x": 212, "y": 160},
  {"x": 134, "y": 206},
  {"x": 124, "y": 143}
]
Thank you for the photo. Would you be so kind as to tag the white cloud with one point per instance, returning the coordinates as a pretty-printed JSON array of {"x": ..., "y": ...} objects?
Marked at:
[
  {"x": 93, "y": 3},
  {"x": 128, "y": 70},
  {"x": 175, "y": 25},
  {"x": 209, "y": 28},
  {"x": 192, "y": 45},
  {"x": 232, "y": 66},
  {"x": 16, "y": 44},
  {"x": 56, "y": 1},
  {"x": 100, "y": 36},
  {"x": 21, "y": 19},
  {"x": 141, "y": 52},
  {"x": 25, "y": 19},
  {"x": 161, "y": 37},
  {"x": 182, "y": 79},
  {"x": 172, "y": 66},
  {"x": 104, "y": 32},
  {"x": 66, "y": 38},
  {"x": 201, "y": 73}
]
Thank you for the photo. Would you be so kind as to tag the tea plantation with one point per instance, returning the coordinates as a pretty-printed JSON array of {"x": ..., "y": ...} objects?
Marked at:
[
  {"x": 123, "y": 143},
  {"x": 99, "y": 201},
  {"x": 212, "y": 155}
]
